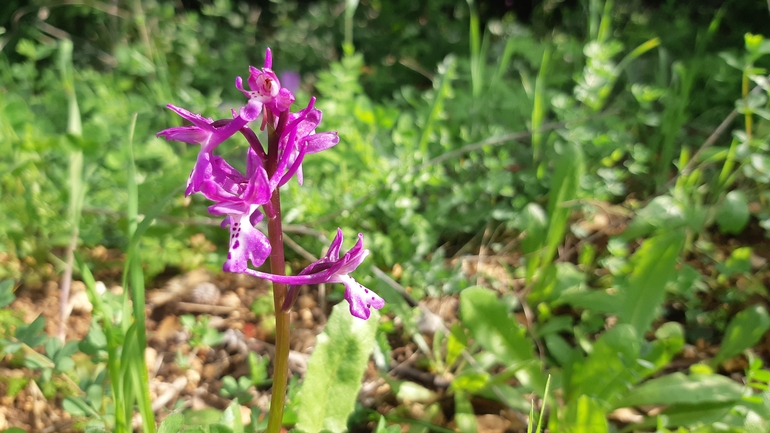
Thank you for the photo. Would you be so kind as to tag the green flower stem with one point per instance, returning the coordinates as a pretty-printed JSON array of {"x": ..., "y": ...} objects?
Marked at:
[
  {"x": 278, "y": 267},
  {"x": 282, "y": 319}
]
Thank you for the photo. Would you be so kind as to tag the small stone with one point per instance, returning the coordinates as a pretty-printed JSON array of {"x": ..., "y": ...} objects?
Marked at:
[
  {"x": 79, "y": 303},
  {"x": 150, "y": 358},
  {"x": 306, "y": 301},
  {"x": 205, "y": 293},
  {"x": 230, "y": 299}
]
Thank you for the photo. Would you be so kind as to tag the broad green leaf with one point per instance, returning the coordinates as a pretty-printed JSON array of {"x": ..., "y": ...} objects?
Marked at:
[
  {"x": 597, "y": 301},
  {"x": 31, "y": 334},
  {"x": 202, "y": 417},
  {"x": 738, "y": 263},
  {"x": 733, "y": 214},
  {"x": 6, "y": 293},
  {"x": 334, "y": 372},
  {"x": 689, "y": 415},
  {"x": 172, "y": 424},
  {"x": 663, "y": 211},
  {"x": 678, "y": 388},
  {"x": 470, "y": 381},
  {"x": 382, "y": 427},
  {"x": 488, "y": 321},
  {"x": 744, "y": 331},
  {"x": 669, "y": 340},
  {"x": 232, "y": 417},
  {"x": 644, "y": 290},
  {"x": 78, "y": 407},
  {"x": 608, "y": 370},
  {"x": 219, "y": 428},
  {"x": 584, "y": 415}
]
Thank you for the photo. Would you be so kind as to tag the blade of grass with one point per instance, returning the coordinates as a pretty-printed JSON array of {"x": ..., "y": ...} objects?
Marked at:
[
  {"x": 447, "y": 72},
  {"x": 475, "y": 41},
  {"x": 133, "y": 274},
  {"x": 77, "y": 186},
  {"x": 545, "y": 402},
  {"x": 539, "y": 106},
  {"x": 104, "y": 316}
]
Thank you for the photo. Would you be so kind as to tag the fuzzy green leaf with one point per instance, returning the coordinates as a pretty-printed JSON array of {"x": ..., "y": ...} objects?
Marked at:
[
  {"x": 733, "y": 214},
  {"x": 334, "y": 372},
  {"x": 678, "y": 388},
  {"x": 744, "y": 331},
  {"x": 487, "y": 319},
  {"x": 644, "y": 291}
]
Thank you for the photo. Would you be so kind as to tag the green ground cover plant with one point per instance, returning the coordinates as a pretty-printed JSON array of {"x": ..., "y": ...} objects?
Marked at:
[{"x": 567, "y": 210}]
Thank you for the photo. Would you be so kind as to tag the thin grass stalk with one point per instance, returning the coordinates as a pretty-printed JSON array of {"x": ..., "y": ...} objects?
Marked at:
[
  {"x": 104, "y": 315},
  {"x": 539, "y": 106},
  {"x": 76, "y": 182},
  {"x": 475, "y": 41},
  {"x": 442, "y": 89},
  {"x": 350, "y": 11}
]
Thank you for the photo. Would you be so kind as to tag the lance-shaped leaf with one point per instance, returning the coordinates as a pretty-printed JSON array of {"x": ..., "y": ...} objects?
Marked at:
[{"x": 335, "y": 370}]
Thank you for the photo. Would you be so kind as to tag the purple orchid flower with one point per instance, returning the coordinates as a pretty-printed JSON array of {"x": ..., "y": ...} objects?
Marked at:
[
  {"x": 333, "y": 269},
  {"x": 303, "y": 140},
  {"x": 209, "y": 135},
  {"x": 238, "y": 197},
  {"x": 266, "y": 88}
]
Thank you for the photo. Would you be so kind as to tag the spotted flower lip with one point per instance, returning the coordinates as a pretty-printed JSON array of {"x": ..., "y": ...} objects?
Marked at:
[{"x": 332, "y": 268}]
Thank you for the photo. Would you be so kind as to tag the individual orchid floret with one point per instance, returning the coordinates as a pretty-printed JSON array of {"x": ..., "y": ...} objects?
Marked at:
[
  {"x": 209, "y": 134},
  {"x": 238, "y": 198},
  {"x": 333, "y": 269},
  {"x": 301, "y": 139},
  {"x": 266, "y": 88}
]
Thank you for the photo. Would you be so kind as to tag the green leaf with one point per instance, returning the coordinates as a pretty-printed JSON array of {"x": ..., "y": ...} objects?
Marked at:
[
  {"x": 31, "y": 334},
  {"x": 608, "y": 370},
  {"x": 202, "y": 417},
  {"x": 465, "y": 419},
  {"x": 744, "y": 331},
  {"x": 584, "y": 415},
  {"x": 733, "y": 214},
  {"x": 335, "y": 370},
  {"x": 689, "y": 415},
  {"x": 470, "y": 381},
  {"x": 565, "y": 186},
  {"x": 644, "y": 291},
  {"x": 382, "y": 427},
  {"x": 738, "y": 263},
  {"x": 172, "y": 424},
  {"x": 78, "y": 407},
  {"x": 6, "y": 293},
  {"x": 232, "y": 417},
  {"x": 488, "y": 321},
  {"x": 677, "y": 388}
]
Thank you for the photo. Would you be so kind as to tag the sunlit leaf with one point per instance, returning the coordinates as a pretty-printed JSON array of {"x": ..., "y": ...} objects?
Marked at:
[
  {"x": 744, "y": 331},
  {"x": 334, "y": 372}
]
